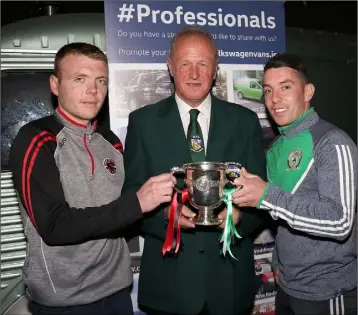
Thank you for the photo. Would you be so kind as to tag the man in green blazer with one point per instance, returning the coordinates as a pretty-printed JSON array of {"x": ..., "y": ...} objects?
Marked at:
[{"x": 198, "y": 279}]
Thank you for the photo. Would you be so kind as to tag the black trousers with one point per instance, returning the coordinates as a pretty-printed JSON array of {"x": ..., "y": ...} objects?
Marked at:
[
  {"x": 345, "y": 304},
  {"x": 204, "y": 311}
]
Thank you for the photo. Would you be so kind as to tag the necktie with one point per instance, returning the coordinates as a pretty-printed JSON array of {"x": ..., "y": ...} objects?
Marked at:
[{"x": 195, "y": 137}]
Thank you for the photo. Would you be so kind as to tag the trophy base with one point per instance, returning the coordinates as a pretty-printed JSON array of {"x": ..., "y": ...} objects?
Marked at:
[{"x": 207, "y": 221}]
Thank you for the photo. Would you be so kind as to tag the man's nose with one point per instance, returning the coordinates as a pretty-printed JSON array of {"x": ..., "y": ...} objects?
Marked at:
[
  {"x": 194, "y": 72},
  {"x": 92, "y": 88},
  {"x": 275, "y": 96}
]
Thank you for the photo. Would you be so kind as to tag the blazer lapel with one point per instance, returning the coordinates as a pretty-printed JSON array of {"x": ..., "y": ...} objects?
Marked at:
[
  {"x": 172, "y": 132},
  {"x": 218, "y": 133},
  {"x": 173, "y": 135}
]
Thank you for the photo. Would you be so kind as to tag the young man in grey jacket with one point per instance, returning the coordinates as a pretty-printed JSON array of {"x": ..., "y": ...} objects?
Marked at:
[
  {"x": 68, "y": 171},
  {"x": 311, "y": 191}
]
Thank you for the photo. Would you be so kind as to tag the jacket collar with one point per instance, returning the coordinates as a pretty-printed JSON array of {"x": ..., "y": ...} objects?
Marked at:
[
  {"x": 204, "y": 108},
  {"x": 74, "y": 126},
  {"x": 304, "y": 122},
  {"x": 173, "y": 131}
]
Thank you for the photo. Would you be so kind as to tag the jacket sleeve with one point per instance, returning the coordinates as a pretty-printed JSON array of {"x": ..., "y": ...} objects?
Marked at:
[
  {"x": 327, "y": 207},
  {"x": 275, "y": 262},
  {"x": 137, "y": 174},
  {"x": 253, "y": 220},
  {"x": 37, "y": 180},
  {"x": 114, "y": 140}
]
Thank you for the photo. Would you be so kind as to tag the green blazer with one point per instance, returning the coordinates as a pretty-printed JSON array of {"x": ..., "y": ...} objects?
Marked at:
[{"x": 182, "y": 283}]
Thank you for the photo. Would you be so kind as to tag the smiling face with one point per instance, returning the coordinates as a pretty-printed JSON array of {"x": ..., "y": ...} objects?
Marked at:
[
  {"x": 287, "y": 95},
  {"x": 81, "y": 87},
  {"x": 193, "y": 66}
]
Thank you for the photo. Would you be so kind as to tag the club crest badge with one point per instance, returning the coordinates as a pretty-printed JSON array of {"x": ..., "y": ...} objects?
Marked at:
[
  {"x": 294, "y": 159},
  {"x": 195, "y": 144},
  {"x": 110, "y": 166}
]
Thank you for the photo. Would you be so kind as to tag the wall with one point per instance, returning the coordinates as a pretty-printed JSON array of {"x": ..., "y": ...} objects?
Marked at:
[{"x": 331, "y": 60}]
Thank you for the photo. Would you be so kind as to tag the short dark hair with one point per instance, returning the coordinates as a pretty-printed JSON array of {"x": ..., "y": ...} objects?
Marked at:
[
  {"x": 194, "y": 31},
  {"x": 288, "y": 60},
  {"x": 78, "y": 49}
]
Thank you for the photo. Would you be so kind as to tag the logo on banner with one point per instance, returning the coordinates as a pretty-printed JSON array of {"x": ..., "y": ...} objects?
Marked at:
[
  {"x": 110, "y": 166},
  {"x": 294, "y": 159},
  {"x": 196, "y": 144}
]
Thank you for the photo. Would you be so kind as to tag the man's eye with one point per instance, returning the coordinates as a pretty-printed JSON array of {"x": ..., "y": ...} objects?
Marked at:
[
  {"x": 103, "y": 81},
  {"x": 79, "y": 79}
]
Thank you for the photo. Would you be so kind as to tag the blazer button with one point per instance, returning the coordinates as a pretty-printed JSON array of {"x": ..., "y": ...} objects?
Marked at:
[{"x": 201, "y": 251}]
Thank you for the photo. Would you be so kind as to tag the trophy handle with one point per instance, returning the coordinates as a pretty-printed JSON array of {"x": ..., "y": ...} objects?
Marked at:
[
  {"x": 177, "y": 170},
  {"x": 233, "y": 170}
]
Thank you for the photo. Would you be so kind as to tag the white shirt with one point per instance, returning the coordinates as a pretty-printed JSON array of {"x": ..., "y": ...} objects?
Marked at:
[{"x": 203, "y": 117}]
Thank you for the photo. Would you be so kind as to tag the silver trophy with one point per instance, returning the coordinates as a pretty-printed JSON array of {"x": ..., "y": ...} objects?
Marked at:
[{"x": 205, "y": 182}]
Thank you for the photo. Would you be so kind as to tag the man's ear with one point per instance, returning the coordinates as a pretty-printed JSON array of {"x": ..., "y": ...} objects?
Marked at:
[
  {"x": 54, "y": 84},
  {"x": 216, "y": 71},
  {"x": 170, "y": 66},
  {"x": 309, "y": 92}
]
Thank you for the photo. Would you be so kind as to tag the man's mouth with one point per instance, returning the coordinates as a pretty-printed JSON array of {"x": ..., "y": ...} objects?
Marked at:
[{"x": 279, "y": 110}]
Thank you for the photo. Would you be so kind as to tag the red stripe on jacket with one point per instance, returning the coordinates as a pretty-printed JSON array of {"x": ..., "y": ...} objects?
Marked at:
[
  {"x": 119, "y": 147},
  {"x": 37, "y": 142}
]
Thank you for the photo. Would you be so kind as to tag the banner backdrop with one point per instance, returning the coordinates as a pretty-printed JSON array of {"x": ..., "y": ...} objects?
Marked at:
[{"x": 247, "y": 34}]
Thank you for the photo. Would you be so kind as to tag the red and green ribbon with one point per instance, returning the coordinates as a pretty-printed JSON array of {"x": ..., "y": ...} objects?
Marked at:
[{"x": 172, "y": 239}]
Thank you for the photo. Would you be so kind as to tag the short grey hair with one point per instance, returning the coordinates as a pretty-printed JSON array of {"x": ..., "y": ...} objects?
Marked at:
[{"x": 194, "y": 31}]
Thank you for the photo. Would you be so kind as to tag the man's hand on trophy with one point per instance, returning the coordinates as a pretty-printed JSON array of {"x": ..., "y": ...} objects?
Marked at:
[
  {"x": 185, "y": 220},
  {"x": 236, "y": 215},
  {"x": 252, "y": 189},
  {"x": 156, "y": 190}
]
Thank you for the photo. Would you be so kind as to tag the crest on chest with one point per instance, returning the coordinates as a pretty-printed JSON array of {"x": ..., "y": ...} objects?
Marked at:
[
  {"x": 196, "y": 144},
  {"x": 294, "y": 159},
  {"x": 110, "y": 166}
]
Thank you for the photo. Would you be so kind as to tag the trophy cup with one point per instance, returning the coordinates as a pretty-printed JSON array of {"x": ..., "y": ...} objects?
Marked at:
[
  {"x": 205, "y": 182},
  {"x": 208, "y": 185}
]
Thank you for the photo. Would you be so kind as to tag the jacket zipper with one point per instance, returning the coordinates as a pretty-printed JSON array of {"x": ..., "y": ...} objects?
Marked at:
[{"x": 89, "y": 153}]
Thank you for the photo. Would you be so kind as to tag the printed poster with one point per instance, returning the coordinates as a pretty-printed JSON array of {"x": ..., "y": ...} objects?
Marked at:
[{"x": 247, "y": 34}]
